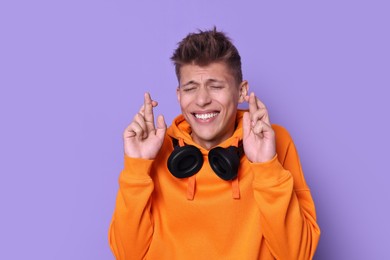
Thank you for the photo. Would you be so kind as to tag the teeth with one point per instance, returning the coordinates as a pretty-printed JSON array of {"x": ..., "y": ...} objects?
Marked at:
[{"x": 205, "y": 116}]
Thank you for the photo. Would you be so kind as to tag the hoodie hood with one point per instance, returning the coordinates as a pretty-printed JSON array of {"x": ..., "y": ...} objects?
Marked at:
[{"x": 181, "y": 131}]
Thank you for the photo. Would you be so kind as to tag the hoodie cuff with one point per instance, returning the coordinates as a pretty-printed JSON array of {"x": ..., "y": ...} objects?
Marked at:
[
  {"x": 269, "y": 173},
  {"x": 136, "y": 168}
]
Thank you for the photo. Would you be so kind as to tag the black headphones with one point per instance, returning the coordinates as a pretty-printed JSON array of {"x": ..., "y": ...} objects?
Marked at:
[{"x": 187, "y": 160}]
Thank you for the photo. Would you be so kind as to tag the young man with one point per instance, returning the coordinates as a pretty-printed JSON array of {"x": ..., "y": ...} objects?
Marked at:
[{"x": 219, "y": 183}]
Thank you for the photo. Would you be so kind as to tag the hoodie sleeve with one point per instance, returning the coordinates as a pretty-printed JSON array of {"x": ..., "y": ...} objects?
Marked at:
[
  {"x": 131, "y": 227},
  {"x": 286, "y": 206}
]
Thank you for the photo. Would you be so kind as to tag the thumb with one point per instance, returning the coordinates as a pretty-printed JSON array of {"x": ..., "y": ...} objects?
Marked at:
[
  {"x": 161, "y": 126},
  {"x": 246, "y": 125}
]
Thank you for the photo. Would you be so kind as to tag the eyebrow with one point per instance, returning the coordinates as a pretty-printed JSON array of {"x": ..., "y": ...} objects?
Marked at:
[{"x": 192, "y": 82}]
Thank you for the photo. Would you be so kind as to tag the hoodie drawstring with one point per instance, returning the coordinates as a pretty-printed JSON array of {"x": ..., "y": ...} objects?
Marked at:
[
  {"x": 191, "y": 187},
  {"x": 235, "y": 182},
  {"x": 235, "y": 189},
  {"x": 191, "y": 181}
]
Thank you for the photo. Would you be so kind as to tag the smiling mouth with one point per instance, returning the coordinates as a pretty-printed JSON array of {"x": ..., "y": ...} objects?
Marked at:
[{"x": 205, "y": 116}]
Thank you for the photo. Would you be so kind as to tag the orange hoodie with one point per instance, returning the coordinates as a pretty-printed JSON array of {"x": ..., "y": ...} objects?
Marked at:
[{"x": 157, "y": 217}]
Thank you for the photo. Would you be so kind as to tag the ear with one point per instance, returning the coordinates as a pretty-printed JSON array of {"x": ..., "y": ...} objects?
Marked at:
[
  {"x": 178, "y": 93},
  {"x": 243, "y": 91}
]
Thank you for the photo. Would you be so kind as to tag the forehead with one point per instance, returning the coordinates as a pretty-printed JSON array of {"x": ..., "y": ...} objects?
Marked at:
[{"x": 200, "y": 74}]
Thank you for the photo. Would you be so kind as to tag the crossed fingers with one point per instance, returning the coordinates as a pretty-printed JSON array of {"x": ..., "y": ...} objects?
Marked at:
[
  {"x": 143, "y": 122},
  {"x": 258, "y": 115}
]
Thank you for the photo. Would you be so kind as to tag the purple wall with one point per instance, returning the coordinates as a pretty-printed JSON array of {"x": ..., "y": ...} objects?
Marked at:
[{"x": 73, "y": 73}]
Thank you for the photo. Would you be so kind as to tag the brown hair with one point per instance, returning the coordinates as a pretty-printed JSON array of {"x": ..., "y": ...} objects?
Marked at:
[{"x": 205, "y": 47}]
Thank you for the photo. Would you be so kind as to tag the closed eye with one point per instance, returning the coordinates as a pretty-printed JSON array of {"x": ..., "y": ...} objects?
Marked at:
[{"x": 188, "y": 89}]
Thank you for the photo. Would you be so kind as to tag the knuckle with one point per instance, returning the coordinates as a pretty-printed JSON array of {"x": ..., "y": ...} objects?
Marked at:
[{"x": 139, "y": 116}]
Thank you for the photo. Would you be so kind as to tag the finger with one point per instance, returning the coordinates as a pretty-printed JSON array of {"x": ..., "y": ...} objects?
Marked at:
[
  {"x": 246, "y": 124},
  {"x": 161, "y": 126},
  {"x": 261, "y": 128},
  {"x": 259, "y": 103},
  {"x": 128, "y": 133},
  {"x": 260, "y": 114},
  {"x": 139, "y": 131},
  {"x": 149, "y": 117},
  {"x": 252, "y": 103},
  {"x": 161, "y": 122},
  {"x": 140, "y": 120},
  {"x": 142, "y": 109},
  {"x": 260, "y": 106},
  {"x": 133, "y": 130}
]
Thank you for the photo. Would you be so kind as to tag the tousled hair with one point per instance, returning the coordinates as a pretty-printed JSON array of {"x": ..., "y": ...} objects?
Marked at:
[{"x": 206, "y": 47}]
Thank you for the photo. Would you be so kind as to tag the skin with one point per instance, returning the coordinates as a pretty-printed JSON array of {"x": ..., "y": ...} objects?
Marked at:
[
  {"x": 208, "y": 98},
  {"x": 210, "y": 90}
]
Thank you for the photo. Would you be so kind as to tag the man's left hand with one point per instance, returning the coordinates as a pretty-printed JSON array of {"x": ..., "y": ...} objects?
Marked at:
[{"x": 258, "y": 135}]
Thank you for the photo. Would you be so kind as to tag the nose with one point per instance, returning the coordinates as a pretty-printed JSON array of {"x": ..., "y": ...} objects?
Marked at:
[{"x": 203, "y": 97}]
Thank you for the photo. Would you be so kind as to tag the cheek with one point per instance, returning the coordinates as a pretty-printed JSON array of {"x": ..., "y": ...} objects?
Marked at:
[
  {"x": 183, "y": 101},
  {"x": 228, "y": 100}
]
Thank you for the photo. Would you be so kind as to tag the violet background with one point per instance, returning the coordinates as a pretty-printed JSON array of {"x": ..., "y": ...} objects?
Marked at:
[{"x": 73, "y": 74}]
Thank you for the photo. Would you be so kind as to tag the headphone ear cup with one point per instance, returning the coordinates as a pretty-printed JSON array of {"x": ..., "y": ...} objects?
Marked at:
[
  {"x": 185, "y": 161},
  {"x": 225, "y": 162}
]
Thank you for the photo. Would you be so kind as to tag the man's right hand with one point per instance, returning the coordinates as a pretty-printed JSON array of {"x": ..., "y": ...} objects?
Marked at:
[{"x": 141, "y": 138}]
